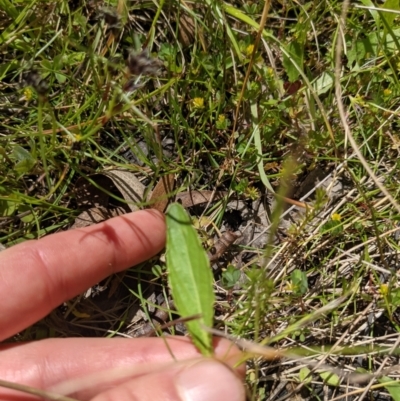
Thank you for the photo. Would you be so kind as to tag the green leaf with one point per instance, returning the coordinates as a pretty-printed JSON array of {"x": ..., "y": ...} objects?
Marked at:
[
  {"x": 79, "y": 20},
  {"x": 395, "y": 297},
  {"x": 61, "y": 78},
  {"x": 296, "y": 51},
  {"x": 299, "y": 282},
  {"x": 28, "y": 218},
  {"x": 58, "y": 62},
  {"x": 7, "y": 207},
  {"x": 241, "y": 186},
  {"x": 324, "y": 83},
  {"x": 23, "y": 167},
  {"x": 47, "y": 64},
  {"x": 304, "y": 375},
  {"x": 25, "y": 161},
  {"x": 19, "y": 153},
  {"x": 330, "y": 378},
  {"x": 393, "y": 387},
  {"x": 189, "y": 276},
  {"x": 230, "y": 277},
  {"x": 157, "y": 271},
  {"x": 389, "y": 16},
  {"x": 374, "y": 13},
  {"x": 77, "y": 57},
  {"x": 371, "y": 46}
]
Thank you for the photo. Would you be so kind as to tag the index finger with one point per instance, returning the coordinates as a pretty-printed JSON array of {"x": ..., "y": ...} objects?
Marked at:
[{"x": 37, "y": 276}]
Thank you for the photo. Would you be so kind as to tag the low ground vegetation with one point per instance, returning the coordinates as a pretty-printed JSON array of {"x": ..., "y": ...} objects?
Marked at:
[{"x": 186, "y": 90}]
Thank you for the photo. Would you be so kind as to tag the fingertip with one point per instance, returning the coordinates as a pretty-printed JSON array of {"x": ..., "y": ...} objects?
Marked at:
[
  {"x": 152, "y": 226},
  {"x": 154, "y": 219},
  {"x": 229, "y": 353},
  {"x": 193, "y": 380},
  {"x": 209, "y": 380},
  {"x": 153, "y": 213}
]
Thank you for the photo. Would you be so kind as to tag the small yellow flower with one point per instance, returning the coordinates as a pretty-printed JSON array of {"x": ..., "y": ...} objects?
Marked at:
[
  {"x": 252, "y": 193},
  {"x": 387, "y": 92},
  {"x": 78, "y": 137},
  {"x": 222, "y": 122},
  {"x": 358, "y": 99},
  {"x": 290, "y": 287},
  {"x": 336, "y": 217},
  {"x": 198, "y": 103},
  {"x": 249, "y": 50},
  {"x": 384, "y": 289},
  {"x": 28, "y": 93}
]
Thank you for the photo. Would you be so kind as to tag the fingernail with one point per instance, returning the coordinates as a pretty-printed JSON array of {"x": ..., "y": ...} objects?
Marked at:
[{"x": 209, "y": 380}]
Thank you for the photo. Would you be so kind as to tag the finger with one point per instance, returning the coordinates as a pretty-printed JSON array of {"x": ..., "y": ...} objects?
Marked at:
[
  {"x": 198, "y": 380},
  {"x": 86, "y": 367},
  {"x": 60, "y": 266}
]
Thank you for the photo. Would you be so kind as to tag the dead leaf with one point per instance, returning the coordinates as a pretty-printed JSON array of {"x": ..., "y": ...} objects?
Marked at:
[
  {"x": 131, "y": 188},
  {"x": 125, "y": 184},
  {"x": 159, "y": 320},
  {"x": 186, "y": 30},
  {"x": 160, "y": 196},
  {"x": 222, "y": 244},
  {"x": 122, "y": 183},
  {"x": 96, "y": 215},
  {"x": 88, "y": 195},
  {"x": 192, "y": 198}
]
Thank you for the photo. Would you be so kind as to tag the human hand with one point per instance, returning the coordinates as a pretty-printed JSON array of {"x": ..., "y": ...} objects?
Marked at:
[{"x": 37, "y": 276}]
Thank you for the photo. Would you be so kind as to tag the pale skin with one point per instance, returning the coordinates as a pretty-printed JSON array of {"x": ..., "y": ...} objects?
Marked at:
[{"x": 37, "y": 276}]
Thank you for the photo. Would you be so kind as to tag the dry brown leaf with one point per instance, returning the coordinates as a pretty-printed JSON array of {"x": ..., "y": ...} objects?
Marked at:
[
  {"x": 186, "y": 30},
  {"x": 192, "y": 198},
  {"x": 122, "y": 183},
  {"x": 88, "y": 195},
  {"x": 222, "y": 244},
  {"x": 96, "y": 215},
  {"x": 126, "y": 185},
  {"x": 131, "y": 188},
  {"x": 161, "y": 193}
]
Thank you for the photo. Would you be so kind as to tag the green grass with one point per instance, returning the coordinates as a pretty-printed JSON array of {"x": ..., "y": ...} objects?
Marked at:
[{"x": 244, "y": 119}]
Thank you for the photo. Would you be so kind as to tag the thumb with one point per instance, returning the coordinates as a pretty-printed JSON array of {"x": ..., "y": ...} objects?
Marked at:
[{"x": 199, "y": 380}]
